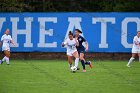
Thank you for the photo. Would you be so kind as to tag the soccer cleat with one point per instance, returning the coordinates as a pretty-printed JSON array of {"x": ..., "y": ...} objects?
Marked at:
[
  {"x": 90, "y": 65},
  {"x": 84, "y": 70},
  {"x": 128, "y": 65}
]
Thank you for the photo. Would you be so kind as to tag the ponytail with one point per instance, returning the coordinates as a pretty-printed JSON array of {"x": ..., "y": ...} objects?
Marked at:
[{"x": 70, "y": 33}]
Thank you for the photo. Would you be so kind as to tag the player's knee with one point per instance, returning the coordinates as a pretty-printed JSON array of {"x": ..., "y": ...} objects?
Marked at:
[
  {"x": 77, "y": 58},
  {"x": 133, "y": 57},
  {"x": 81, "y": 58},
  {"x": 7, "y": 55}
]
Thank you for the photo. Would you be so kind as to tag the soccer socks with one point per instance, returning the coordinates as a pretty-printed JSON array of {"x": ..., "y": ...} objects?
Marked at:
[
  {"x": 130, "y": 61},
  {"x": 87, "y": 63},
  {"x": 7, "y": 60},
  {"x": 4, "y": 59},
  {"x": 76, "y": 62},
  {"x": 83, "y": 64},
  {"x": 139, "y": 59}
]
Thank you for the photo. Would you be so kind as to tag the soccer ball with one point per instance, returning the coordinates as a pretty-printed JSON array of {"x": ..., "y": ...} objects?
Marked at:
[{"x": 73, "y": 69}]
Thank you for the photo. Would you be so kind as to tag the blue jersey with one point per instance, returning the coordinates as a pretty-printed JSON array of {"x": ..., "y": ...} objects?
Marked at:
[{"x": 81, "y": 47}]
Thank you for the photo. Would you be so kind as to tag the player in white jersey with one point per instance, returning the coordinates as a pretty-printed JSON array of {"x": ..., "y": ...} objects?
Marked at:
[
  {"x": 71, "y": 44},
  {"x": 135, "y": 48},
  {"x": 5, "y": 41}
]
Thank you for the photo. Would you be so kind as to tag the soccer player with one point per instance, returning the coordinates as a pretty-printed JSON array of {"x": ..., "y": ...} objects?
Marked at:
[
  {"x": 81, "y": 49},
  {"x": 5, "y": 41},
  {"x": 135, "y": 48},
  {"x": 71, "y": 44}
]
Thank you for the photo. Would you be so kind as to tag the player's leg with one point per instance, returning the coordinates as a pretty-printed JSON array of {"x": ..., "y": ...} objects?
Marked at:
[
  {"x": 7, "y": 55},
  {"x": 3, "y": 59},
  {"x": 75, "y": 54},
  {"x": 83, "y": 61},
  {"x": 139, "y": 56},
  {"x": 88, "y": 63},
  {"x": 6, "y": 51},
  {"x": 131, "y": 59},
  {"x": 70, "y": 61},
  {"x": 69, "y": 55}
]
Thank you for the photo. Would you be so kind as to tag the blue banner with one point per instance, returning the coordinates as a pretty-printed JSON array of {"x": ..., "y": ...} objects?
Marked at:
[{"x": 44, "y": 32}]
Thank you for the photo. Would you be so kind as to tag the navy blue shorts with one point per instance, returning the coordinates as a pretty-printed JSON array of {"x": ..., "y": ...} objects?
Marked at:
[{"x": 81, "y": 51}]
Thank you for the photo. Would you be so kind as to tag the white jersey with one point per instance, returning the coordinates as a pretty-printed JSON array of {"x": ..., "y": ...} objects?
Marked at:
[
  {"x": 136, "y": 39},
  {"x": 71, "y": 46},
  {"x": 136, "y": 48},
  {"x": 6, "y": 39}
]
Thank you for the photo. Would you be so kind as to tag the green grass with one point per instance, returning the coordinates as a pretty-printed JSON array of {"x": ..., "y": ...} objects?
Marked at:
[{"x": 53, "y": 76}]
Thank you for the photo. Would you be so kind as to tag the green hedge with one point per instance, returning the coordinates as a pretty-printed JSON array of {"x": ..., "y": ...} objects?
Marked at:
[{"x": 69, "y": 6}]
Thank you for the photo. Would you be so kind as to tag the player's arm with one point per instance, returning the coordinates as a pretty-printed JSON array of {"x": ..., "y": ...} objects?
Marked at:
[
  {"x": 135, "y": 41},
  {"x": 77, "y": 43},
  {"x": 12, "y": 42},
  {"x": 64, "y": 43},
  {"x": 1, "y": 41},
  {"x": 86, "y": 45}
]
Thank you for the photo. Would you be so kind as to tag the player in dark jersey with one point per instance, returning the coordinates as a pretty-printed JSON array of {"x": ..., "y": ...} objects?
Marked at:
[{"x": 81, "y": 49}]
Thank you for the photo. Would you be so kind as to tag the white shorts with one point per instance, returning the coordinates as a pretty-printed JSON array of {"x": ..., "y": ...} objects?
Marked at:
[
  {"x": 5, "y": 48},
  {"x": 134, "y": 50},
  {"x": 70, "y": 53}
]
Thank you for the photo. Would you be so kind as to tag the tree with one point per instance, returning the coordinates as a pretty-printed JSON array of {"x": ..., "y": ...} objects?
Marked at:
[
  {"x": 14, "y": 6},
  {"x": 70, "y": 6}
]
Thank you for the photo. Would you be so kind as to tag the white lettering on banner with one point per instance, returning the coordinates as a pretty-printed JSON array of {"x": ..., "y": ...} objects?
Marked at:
[
  {"x": 27, "y": 31},
  {"x": 104, "y": 22},
  {"x": 44, "y": 32},
  {"x": 2, "y": 20},
  {"x": 73, "y": 23},
  {"x": 124, "y": 30}
]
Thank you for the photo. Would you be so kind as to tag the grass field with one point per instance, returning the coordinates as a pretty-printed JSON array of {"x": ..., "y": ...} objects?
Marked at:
[{"x": 53, "y": 76}]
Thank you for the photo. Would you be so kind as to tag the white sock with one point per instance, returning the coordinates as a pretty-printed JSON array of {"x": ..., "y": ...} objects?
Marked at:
[
  {"x": 7, "y": 60},
  {"x": 130, "y": 60},
  {"x": 4, "y": 58},
  {"x": 139, "y": 59},
  {"x": 76, "y": 62}
]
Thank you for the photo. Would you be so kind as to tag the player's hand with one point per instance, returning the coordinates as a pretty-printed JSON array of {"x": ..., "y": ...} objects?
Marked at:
[
  {"x": 86, "y": 49},
  {"x": 14, "y": 45},
  {"x": 63, "y": 44}
]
